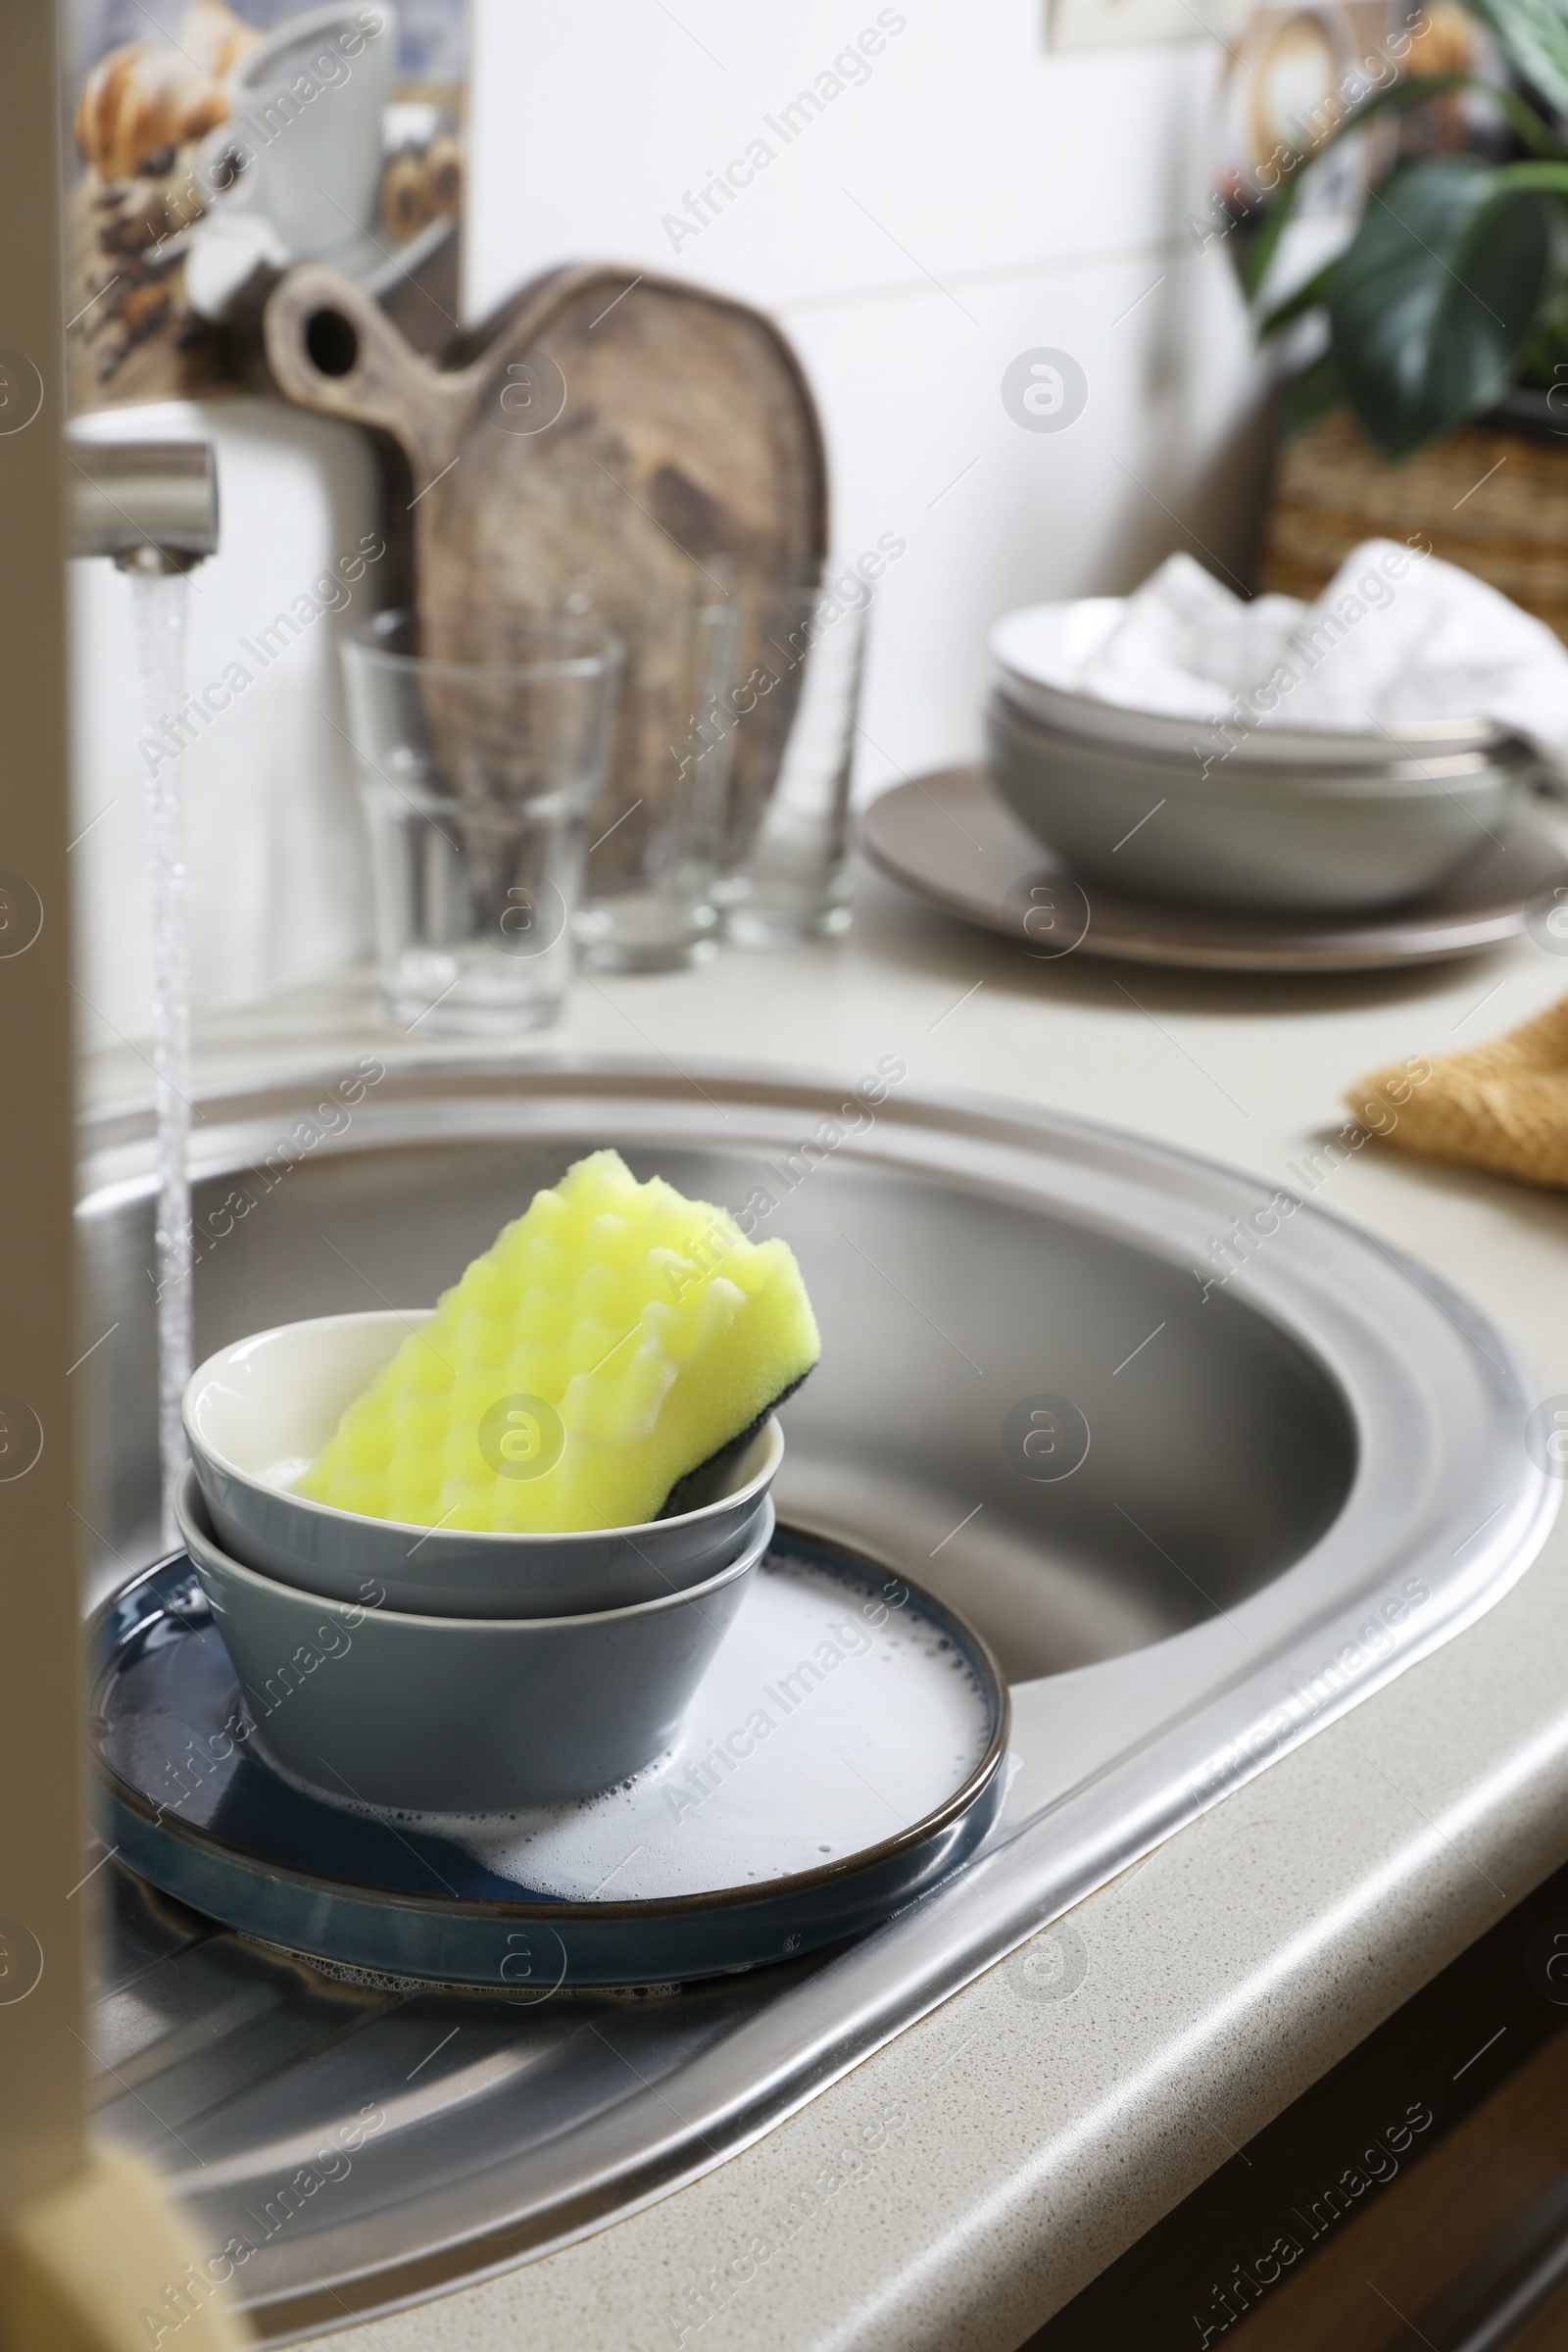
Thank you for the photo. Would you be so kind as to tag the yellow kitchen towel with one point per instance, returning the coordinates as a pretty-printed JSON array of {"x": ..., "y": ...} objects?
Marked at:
[{"x": 1503, "y": 1106}]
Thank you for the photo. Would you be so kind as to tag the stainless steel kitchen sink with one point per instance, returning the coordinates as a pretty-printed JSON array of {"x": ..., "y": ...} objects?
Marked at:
[{"x": 1296, "y": 1482}]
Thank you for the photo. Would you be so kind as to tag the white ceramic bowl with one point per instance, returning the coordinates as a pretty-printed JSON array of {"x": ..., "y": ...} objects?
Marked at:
[
  {"x": 257, "y": 1412},
  {"x": 459, "y": 1714},
  {"x": 1038, "y": 651}
]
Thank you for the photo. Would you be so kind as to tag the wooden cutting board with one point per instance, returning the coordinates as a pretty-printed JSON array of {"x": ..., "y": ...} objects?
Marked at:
[{"x": 610, "y": 435}]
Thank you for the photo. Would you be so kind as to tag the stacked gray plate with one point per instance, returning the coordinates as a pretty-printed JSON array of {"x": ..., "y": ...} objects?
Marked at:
[{"x": 1209, "y": 812}]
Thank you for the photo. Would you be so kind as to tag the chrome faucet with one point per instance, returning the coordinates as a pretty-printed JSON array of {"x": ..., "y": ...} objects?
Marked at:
[{"x": 151, "y": 506}]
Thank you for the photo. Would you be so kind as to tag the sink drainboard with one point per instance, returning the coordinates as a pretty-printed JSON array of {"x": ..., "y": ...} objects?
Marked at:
[{"x": 1195, "y": 1520}]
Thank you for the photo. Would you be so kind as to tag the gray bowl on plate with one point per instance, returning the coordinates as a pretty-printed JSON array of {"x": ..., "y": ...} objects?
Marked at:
[
  {"x": 1333, "y": 834},
  {"x": 259, "y": 1411},
  {"x": 457, "y": 1714}
]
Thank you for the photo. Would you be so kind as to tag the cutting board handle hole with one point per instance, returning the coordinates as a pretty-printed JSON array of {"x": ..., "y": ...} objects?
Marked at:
[{"x": 332, "y": 342}]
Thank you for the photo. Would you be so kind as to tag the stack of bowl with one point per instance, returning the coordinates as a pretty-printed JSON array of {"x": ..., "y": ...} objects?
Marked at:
[
  {"x": 437, "y": 1669},
  {"x": 1229, "y": 813}
]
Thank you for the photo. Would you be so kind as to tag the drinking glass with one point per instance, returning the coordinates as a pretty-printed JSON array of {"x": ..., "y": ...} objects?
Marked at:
[
  {"x": 655, "y": 828},
  {"x": 476, "y": 779},
  {"x": 794, "y": 706},
  {"x": 658, "y": 826}
]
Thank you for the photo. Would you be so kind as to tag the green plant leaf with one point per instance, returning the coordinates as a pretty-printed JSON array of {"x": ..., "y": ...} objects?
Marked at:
[
  {"x": 1534, "y": 35},
  {"x": 1258, "y": 249},
  {"x": 1308, "y": 297},
  {"x": 1432, "y": 303},
  {"x": 1307, "y": 397}
]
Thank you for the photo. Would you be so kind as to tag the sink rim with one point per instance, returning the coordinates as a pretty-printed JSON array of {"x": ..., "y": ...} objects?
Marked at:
[{"x": 1358, "y": 1307}]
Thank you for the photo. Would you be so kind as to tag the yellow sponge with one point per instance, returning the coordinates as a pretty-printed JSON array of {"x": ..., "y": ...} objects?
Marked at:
[{"x": 608, "y": 1342}]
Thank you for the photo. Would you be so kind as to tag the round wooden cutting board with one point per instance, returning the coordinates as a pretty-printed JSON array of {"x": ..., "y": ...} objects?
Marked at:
[{"x": 610, "y": 441}]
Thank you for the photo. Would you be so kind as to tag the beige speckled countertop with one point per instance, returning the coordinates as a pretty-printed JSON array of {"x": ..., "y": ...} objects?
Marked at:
[{"x": 1024, "y": 2141}]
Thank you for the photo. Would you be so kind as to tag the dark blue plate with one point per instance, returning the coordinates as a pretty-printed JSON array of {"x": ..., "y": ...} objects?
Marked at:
[{"x": 211, "y": 1822}]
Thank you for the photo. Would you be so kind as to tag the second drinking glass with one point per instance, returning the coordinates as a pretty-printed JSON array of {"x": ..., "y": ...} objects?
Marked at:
[
  {"x": 659, "y": 824},
  {"x": 792, "y": 712}
]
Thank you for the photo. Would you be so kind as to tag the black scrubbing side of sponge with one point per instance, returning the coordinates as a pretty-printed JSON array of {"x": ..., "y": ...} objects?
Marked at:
[{"x": 703, "y": 1484}]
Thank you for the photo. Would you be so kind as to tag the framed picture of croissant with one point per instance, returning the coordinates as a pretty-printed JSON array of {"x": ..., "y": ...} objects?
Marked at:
[{"x": 214, "y": 143}]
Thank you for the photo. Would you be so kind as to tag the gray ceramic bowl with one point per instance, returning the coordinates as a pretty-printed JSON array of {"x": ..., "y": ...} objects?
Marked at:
[
  {"x": 1326, "y": 837},
  {"x": 458, "y": 1714},
  {"x": 259, "y": 1411}
]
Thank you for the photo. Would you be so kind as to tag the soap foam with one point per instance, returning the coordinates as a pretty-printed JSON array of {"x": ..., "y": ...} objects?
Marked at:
[{"x": 828, "y": 1721}]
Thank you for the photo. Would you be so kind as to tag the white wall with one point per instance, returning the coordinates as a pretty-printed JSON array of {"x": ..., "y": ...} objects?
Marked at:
[
  {"x": 275, "y": 862},
  {"x": 970, "y": 199}
]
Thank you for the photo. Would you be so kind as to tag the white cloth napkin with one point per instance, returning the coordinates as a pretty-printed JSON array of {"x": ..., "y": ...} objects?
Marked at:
[{"x": 1396, "y": 635}]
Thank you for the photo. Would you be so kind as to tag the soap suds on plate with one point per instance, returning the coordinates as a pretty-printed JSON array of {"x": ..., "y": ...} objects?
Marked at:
[{"x": 828, "y": 1721}]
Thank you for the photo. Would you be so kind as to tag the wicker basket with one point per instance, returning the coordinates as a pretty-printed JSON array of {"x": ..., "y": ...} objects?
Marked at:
[{"x": 1495, "y": 500}]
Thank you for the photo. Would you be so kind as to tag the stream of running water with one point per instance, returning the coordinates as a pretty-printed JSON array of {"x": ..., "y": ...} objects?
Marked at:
[{"x": 160, "y": 608}]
